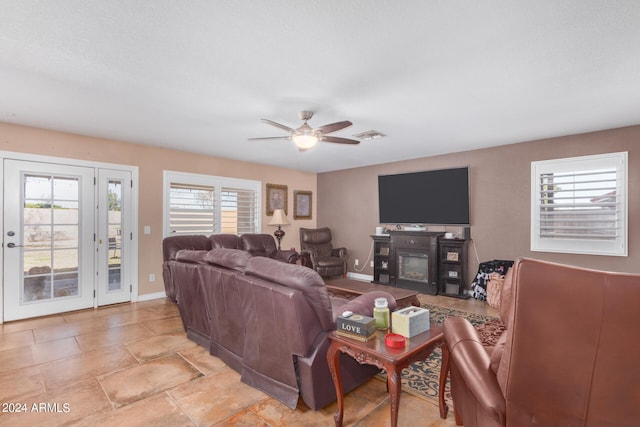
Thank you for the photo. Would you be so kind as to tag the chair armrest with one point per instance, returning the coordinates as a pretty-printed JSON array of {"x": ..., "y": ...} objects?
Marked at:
[
  {"x": 339, "y": 252},
  {"x": 363, "y": 304},
  {"x": 313, "y": 254},
  {"x": 473, "y": 363},
  {"x": 286, "y": 256}
]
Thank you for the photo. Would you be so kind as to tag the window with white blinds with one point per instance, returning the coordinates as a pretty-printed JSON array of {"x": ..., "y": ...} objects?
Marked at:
[
  {"x": 579, "y": 205},
  {"x": 202, "y": 204}
]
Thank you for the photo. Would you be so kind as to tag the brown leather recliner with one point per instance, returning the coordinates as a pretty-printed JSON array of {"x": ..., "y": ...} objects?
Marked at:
[
  {"x": 170, "y": 247},
  {"x": 327, "y": 260},
  {"x": 569, "y": 355},
  {"x": 265, "y": 245}
]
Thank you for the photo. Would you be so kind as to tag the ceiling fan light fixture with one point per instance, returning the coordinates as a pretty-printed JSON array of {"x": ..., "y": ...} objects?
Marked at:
[
  {"x": 305, "y": 140},
  {"x": 304, "y": 137}
]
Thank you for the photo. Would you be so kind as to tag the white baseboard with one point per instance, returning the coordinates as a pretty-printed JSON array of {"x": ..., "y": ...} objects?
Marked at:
[
  {"x": 149, "y": 297},
  {"x": 359, "y": 276}
]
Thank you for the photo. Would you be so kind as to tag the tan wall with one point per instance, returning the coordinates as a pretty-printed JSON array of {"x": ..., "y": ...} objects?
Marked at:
[
  {"x": 499, "y": 180},
  {"x": 151, "y": 162}
]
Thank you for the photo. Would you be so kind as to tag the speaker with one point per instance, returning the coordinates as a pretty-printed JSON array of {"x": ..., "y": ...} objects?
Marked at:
[{"x": 466, "y": 233}]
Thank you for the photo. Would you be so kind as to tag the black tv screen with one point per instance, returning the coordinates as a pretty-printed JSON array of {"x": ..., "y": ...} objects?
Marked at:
[{"x": 429, "y": 197}]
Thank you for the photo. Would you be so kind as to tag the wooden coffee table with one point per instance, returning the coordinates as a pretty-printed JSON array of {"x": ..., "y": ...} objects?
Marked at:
[
  {"x": 353, "y": 288},
  {"x": 375, "y": 352}
]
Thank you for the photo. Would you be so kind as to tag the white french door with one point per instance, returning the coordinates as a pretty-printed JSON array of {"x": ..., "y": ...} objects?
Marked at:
[
  {"x": 67, "y": 237},
  {"x": 48, "y": 238},
  {"x": 114, "y": 236}
]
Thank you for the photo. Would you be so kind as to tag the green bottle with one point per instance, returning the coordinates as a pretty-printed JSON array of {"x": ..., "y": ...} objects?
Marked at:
[{"x": 381, "y": 313}]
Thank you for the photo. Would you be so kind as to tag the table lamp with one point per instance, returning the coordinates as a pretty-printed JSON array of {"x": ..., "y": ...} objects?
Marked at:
[{"x": 279, "y": 219}]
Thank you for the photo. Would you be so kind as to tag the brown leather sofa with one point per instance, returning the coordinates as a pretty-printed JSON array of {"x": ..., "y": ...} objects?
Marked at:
[
  {"x": 268, "y": 320},
  {"x": 327, "y": 260},
  {"x": 256, "y": 244},
  {"x": 569, "y": 357}
]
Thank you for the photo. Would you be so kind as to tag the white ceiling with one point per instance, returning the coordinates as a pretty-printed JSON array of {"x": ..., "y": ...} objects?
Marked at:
[{"x": 435, "y": 76}]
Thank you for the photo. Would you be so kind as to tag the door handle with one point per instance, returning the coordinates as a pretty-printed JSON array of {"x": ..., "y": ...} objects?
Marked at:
[{"x": 13, "y": 245}]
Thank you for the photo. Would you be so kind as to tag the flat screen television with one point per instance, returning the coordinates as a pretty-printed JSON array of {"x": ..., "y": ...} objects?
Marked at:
[{"x": 429, "y": 197}]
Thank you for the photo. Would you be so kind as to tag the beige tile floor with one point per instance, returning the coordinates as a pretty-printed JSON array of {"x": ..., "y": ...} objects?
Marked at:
[{"x": 131, "y": 365}]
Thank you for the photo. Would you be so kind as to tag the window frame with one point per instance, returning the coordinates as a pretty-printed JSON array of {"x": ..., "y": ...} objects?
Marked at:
[
  {"x": 218, "y": 183},
  {"x": 586, "y": 246}
]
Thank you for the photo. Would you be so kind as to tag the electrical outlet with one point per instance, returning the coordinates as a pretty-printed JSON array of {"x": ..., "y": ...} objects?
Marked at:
[
  {"x": 152, "y": 277},
  {"x": 357, "y": 262},
  {"x": 371, "y": 264}
]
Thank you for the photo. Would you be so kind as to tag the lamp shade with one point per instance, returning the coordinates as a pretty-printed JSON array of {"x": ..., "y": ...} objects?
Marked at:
[{"x": 279, "y": 218}]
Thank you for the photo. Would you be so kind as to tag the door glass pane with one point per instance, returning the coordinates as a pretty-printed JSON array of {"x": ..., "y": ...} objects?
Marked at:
[
  {"x": 65, "y": 260},
  {"x": 37, "y": 212},
  {"x": 65, "y": 284},
  {"x": 37, "y": 187},
  {"x": 65, "y": 189},
  {"x": 51, "y": 246},
  {"x": 37, "y": 286},
  {"x": 66, "y": 212},
  {"x": 65, "y": 236},
  {"x": 114, "y": 231},
  {"x": 37, "y": 236}
]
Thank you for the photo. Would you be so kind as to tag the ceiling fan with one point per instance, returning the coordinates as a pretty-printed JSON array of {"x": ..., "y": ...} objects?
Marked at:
[{"x": 305, "y": 137}]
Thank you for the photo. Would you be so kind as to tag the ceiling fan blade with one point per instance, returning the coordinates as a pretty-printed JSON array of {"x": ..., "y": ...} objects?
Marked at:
[
  {"x": 333, "y": 127},
  {"x": 339, "y": 140},
  {"x": 278, "y": 125},
  {"x": 266, "y": 138}
]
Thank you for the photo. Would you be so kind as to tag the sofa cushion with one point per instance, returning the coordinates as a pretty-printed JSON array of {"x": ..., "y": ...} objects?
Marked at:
[
  {"x": 191, "y": 256},
  {"x": 235, "y": 259},
  {"x": 230, "y": 241},
  {"x": 297, "y": 277}
]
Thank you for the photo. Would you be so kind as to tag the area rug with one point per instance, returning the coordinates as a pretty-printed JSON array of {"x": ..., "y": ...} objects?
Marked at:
[{"x": 421, "y": 378}]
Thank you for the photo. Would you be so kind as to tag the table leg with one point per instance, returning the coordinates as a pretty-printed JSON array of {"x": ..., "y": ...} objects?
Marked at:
[
  {"x": 394, "y": 382},
  {"x": 333, "y": 359},
  {"x": 444, "y": 372}
]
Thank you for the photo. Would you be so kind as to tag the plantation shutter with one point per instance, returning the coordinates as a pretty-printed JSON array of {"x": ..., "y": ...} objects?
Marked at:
[
  {"x": 579, "y": 205},
  {"x": 239, "y": 210},
  {"x": 205, "y": 204},
  {"x": 191, "y": 209}
]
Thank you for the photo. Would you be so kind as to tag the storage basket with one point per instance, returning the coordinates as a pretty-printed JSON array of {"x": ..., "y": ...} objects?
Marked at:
[{"x": 494, "y": 289}]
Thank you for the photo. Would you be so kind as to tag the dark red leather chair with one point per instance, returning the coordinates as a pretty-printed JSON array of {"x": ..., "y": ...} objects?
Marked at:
[{"x": 569, "y": 356}]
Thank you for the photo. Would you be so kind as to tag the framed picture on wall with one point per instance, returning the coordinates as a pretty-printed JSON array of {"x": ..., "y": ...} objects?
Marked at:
[
  {"x": 302, "y": 204},
  {"x": 276, "y": 198}
]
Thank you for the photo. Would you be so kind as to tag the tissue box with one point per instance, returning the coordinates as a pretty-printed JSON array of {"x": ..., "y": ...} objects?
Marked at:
[
  {"x": 357, "y": 327},
  {"x": 410, "y": 321}
]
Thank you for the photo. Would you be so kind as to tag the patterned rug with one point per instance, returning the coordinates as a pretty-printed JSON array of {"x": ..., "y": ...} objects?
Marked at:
[{"x": 421, "y": 378}]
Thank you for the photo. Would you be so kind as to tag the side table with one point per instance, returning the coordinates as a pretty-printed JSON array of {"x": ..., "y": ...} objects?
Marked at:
[{"x": 375, "y": 352}]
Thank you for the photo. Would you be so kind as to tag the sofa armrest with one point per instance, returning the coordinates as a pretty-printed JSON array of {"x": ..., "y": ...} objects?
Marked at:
[
  {"x": 363, "y": 304},
  {"x": 473, "y": 364},
  {"x": 286, "y": 256},
  {"x": 339, "y": 252}
]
